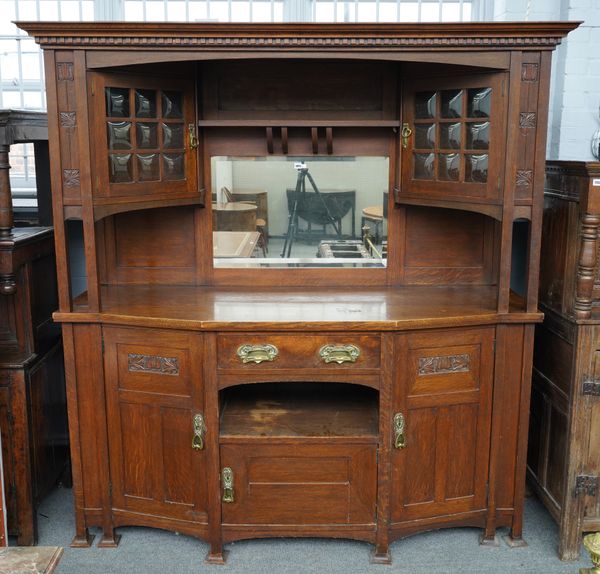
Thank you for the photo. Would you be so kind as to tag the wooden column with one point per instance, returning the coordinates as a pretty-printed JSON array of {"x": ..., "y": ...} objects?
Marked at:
[{"x": 6, "y": 210}]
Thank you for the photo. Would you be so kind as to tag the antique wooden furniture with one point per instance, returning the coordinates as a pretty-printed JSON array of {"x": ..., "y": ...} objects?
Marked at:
[
  {"x": 32, "y": 393},
  {"x": 564, "y": 452},
  {"x": 234, "y": 402},
  {"x": 234, "y": 216},
  {"x": 235, "y": 243}
]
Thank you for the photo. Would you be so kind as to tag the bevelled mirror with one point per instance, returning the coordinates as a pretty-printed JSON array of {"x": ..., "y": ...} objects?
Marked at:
[{"x": 299, "y": 211}]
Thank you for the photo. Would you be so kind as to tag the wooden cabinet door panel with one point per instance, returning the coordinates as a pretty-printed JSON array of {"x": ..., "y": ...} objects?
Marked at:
[
  {"x": 154, "y": 391},
  {"x": 454, "y": 150},
  {"x": 443, "y": 390},
  {"x": 142, "y": 142},
  {"x": 300, "y": 484}
]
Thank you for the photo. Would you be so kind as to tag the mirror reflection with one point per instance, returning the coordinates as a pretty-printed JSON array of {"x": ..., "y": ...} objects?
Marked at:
[{"x": 300, "y": 211}]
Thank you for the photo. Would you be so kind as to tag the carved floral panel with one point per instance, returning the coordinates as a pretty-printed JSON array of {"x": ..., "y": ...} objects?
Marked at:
[
  {"x": 153, "y": 364},
  {"x": 444, "y": 364}
]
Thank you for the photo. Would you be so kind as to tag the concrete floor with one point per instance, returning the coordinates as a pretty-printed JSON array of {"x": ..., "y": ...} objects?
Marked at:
[{"x": 151, "y": 551}]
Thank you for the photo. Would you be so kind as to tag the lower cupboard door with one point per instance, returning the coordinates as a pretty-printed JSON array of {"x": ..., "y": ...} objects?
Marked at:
[
  {"x": 292, "y": 484},
  {"x": 443, "y": 393}
]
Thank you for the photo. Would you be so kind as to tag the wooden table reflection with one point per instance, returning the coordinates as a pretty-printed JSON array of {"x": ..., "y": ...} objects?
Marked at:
[{"x": 234, "y": 243}]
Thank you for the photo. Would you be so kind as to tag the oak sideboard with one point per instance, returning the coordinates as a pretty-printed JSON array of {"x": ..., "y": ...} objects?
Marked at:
[{"x": 372, "y": 393}]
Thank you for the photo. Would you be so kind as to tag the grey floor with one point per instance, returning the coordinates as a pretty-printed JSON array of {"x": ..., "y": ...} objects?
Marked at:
[{"x": 152, "y": 551}]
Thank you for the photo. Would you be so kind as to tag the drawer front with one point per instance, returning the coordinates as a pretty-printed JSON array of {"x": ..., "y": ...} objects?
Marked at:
[
  {"x": 298, "y": 484},
  {"x": 309, "y": 351}
]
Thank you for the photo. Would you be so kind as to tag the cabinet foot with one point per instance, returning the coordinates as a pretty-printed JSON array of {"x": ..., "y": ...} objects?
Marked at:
[
  {"x": 489, "y": 541},
  {"x": 214, "y": 557},
  {"x": 569, "y": 555},
  {"x": 82, "y": 540},
  {"x": 381, "y": 556},
  {"x": 514, "y": 542},
  {"x": 109, "y": 540}
]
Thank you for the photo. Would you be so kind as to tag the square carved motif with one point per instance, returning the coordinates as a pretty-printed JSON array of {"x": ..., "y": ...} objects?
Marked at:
[
  {"x": 71, "y": 177},
  {"x": 524, "y": 178},
  {"x": 64, "y": 71},
  {"x": 527, "y": 119},
  {"x": 529, "y": 72},
  {"x": 68, "y": 119}
]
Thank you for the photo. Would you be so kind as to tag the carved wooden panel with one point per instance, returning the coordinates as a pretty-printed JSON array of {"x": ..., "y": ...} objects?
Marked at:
[
  {"x": 524, "y": 178},
  {"x": 71, "y": 178},
  {"x": 64, "y": 71},
  {"x": 444, "y": 364},
  {"x": 530, "y": 72},
  {"x": 68, "y": 119},
  {"x": 66, "y": 103},
  {"x": 153, "y": 364},
  {"x": 527, "y": 120},
  {"x": 526, "y": 142}
]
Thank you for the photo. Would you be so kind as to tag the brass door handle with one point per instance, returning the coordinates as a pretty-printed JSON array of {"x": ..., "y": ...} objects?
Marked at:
[
  {"x": 339, "y": 353},
  {"x": 193, "y": 136},
  {"x": 405, "y": 134},
  {"x": 399, "y": 426},
  {"x": 199, "y": 432},
  {"x": 257, "y": 353},
  {"x": 227, "y": 478}
]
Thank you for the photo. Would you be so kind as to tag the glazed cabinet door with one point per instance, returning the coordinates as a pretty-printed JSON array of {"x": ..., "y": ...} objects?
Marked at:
[
  {"x": 155, "y": 420},
  {"x": 145, "y": 137},
  {"x": 452, "y": 138},
  {"x": 441, "y": 425}
]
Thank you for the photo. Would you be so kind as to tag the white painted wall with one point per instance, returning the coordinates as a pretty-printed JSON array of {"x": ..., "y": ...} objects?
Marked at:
[{"x": 575, "y": 87}]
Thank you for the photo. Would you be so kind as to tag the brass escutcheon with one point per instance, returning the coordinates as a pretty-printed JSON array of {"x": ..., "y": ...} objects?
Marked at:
[
  {"x": 257, "y": 353},
  {"x": 227, "y": 478},
  {"x": 193, "y": 136},
  {"x": 339, "y": 353},
  {"x": 399, "y": 425},
  {"x": 405, "y": 134},
  {"x": 199, "y": 431}
]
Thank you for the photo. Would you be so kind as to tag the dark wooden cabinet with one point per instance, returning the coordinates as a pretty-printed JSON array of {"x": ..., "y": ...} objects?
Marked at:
[
  {"x": 33, "y": 418},
  {"x": 564, "y": 452},
  {"x": 271, "y": 396}
]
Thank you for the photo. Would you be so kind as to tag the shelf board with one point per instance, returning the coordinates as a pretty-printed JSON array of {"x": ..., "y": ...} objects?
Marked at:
[
  {"x": 299, "y": 410},
  {"x": 300, "y": 123}
]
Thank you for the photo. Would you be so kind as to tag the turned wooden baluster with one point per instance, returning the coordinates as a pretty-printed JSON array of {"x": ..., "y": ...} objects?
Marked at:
[
  {"x": 7, "y": 280},
  {"x": 586, "y": 265}
]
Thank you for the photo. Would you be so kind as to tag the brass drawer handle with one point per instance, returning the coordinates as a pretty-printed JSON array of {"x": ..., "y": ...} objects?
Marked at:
[
  {"x": 339, "y": 353},
  {"x": 227, "y": 478},
  {"x": 257, "y": 353},
  {"x": 199, "y": 431},
  {"x": 399, "y": 426}
]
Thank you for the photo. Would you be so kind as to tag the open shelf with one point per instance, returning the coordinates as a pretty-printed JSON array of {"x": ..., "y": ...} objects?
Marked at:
[
  {"x": 309, "y": 123},
  {"x": 299, "y": 410}
]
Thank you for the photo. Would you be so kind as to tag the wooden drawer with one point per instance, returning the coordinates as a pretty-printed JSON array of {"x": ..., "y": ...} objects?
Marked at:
[
  {"x": 301, "y": 484},
  {"x": 298, "y": 351}
]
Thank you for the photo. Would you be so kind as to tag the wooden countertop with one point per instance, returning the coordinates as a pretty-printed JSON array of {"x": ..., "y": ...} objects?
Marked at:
[{"x": 211, "y": 309}]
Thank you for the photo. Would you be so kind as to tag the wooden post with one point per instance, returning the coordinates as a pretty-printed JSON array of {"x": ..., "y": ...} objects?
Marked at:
[{"x": 6, "y": 210}]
